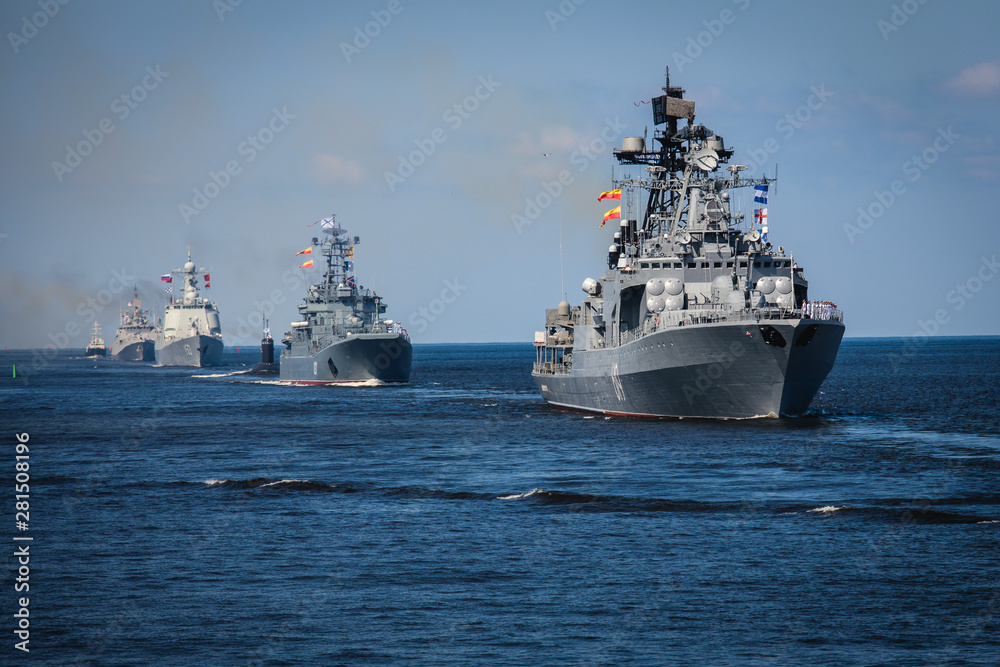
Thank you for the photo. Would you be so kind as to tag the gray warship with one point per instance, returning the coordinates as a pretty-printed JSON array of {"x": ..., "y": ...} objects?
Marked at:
[
  {"x": 192, "y": 333},
  {"x": 96, "y": 347},
  {"x": 698, "y": 315},
  {"x": 135, "y": 339},
  {"x": 341, "y": 337}
]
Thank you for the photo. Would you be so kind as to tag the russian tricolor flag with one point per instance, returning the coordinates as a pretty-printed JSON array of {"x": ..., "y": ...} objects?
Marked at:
[{"x": 167, "y": 278}]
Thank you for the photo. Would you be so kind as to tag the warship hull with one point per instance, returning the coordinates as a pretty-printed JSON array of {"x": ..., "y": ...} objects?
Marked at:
[
  {"x": 737, "y": 370},
  {"x": 192, "y": 351},
  {"x": 385, "y": 357},
  {"x": 95, "y": 352},
  {"x": 143, "y": 350}
]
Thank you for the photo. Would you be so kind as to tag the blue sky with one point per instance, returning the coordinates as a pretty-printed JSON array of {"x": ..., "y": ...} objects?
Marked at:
[{"x": 858, "y": 103}]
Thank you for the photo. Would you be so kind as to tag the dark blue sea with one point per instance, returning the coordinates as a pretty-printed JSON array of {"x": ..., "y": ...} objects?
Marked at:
[{"x": 196, "y": 517}]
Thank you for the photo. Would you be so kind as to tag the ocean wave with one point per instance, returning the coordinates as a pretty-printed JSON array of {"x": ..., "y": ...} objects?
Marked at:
[
  {"x": 597, "y": 503},
  {"x": 518, "y": 496},
  {"x": 278, "y": 484},
  {"x": 828, "y": 509}
]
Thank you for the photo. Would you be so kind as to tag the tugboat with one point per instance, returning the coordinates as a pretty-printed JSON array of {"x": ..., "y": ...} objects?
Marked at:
[
  {"x": 341, "y": 337},
  {"x": 191, "y": 333},
  {"x": 698, "y": 315},
  {"x": 96, "y": 346},
  {"x": 135, "y": 339}
]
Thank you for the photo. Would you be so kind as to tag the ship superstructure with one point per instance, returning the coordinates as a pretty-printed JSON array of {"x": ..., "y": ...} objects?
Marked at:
[
  {"x": 192, "y": 332},
  {"x": 135, "y": 338},
  {"x": 341, "y": 336},
  {"x": 698, "y": 315}
]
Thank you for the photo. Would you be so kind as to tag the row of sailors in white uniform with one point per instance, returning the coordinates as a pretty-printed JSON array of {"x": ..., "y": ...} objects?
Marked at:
[{"x": 819, "y": 310}]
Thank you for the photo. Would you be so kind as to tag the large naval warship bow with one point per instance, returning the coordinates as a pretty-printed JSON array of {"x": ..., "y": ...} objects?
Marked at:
[
  {"x": 699, "y": 315},
  {"x": 341, "y": 337},
  {"x": 191, "y": 333}
]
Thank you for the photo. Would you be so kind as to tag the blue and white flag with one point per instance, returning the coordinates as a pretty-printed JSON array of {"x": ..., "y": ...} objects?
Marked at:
[
  {"x": 327, "y": 223},
  {"x": 760, "y": 194}
]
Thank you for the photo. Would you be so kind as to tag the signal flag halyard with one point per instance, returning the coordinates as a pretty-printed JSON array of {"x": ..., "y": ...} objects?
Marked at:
[{"x": 616, "y": 212}]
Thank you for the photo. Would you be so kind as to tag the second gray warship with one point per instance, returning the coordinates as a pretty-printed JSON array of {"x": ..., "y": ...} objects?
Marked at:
[
  {"x": 697, "y": 315},
  {"x": 136, "y": 337},
  {"x": 192, "y": 333},
  {"x": 341, "y": 337}
]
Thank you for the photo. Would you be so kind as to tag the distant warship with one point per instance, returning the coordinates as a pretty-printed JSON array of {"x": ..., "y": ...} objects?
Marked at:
[
  {"x": 96, "y": 346},
  {"x": 341, "y": 336},
  {"x": 698, "y": 315},
  {"x": 136, "y": 337},
  {"x": 191, "y": 333}
]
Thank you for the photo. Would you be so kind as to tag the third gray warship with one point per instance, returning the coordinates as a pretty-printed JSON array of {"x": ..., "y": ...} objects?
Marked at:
[
  {"x": 191, "y": 334},
  {"x": 341, "y": 336},
  {"x": 136, "y": 337},
  {"x": 698, "y": 314}
]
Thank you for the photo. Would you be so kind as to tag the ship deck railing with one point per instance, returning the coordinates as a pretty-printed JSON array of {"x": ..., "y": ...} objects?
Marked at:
[{"x": 666, "y": 321}]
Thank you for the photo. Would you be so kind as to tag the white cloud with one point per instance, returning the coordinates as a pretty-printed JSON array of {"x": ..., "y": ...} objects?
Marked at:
[{"x": 980, "y": 80}]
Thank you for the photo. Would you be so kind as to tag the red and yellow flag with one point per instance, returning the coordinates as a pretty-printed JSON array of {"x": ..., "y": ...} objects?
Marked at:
[
  {"x": 307, "y": 251},
  {"x": 611, "y": 194},
  {"x": 307, "y": 265},
  {"x": 616, "y": 212}
]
